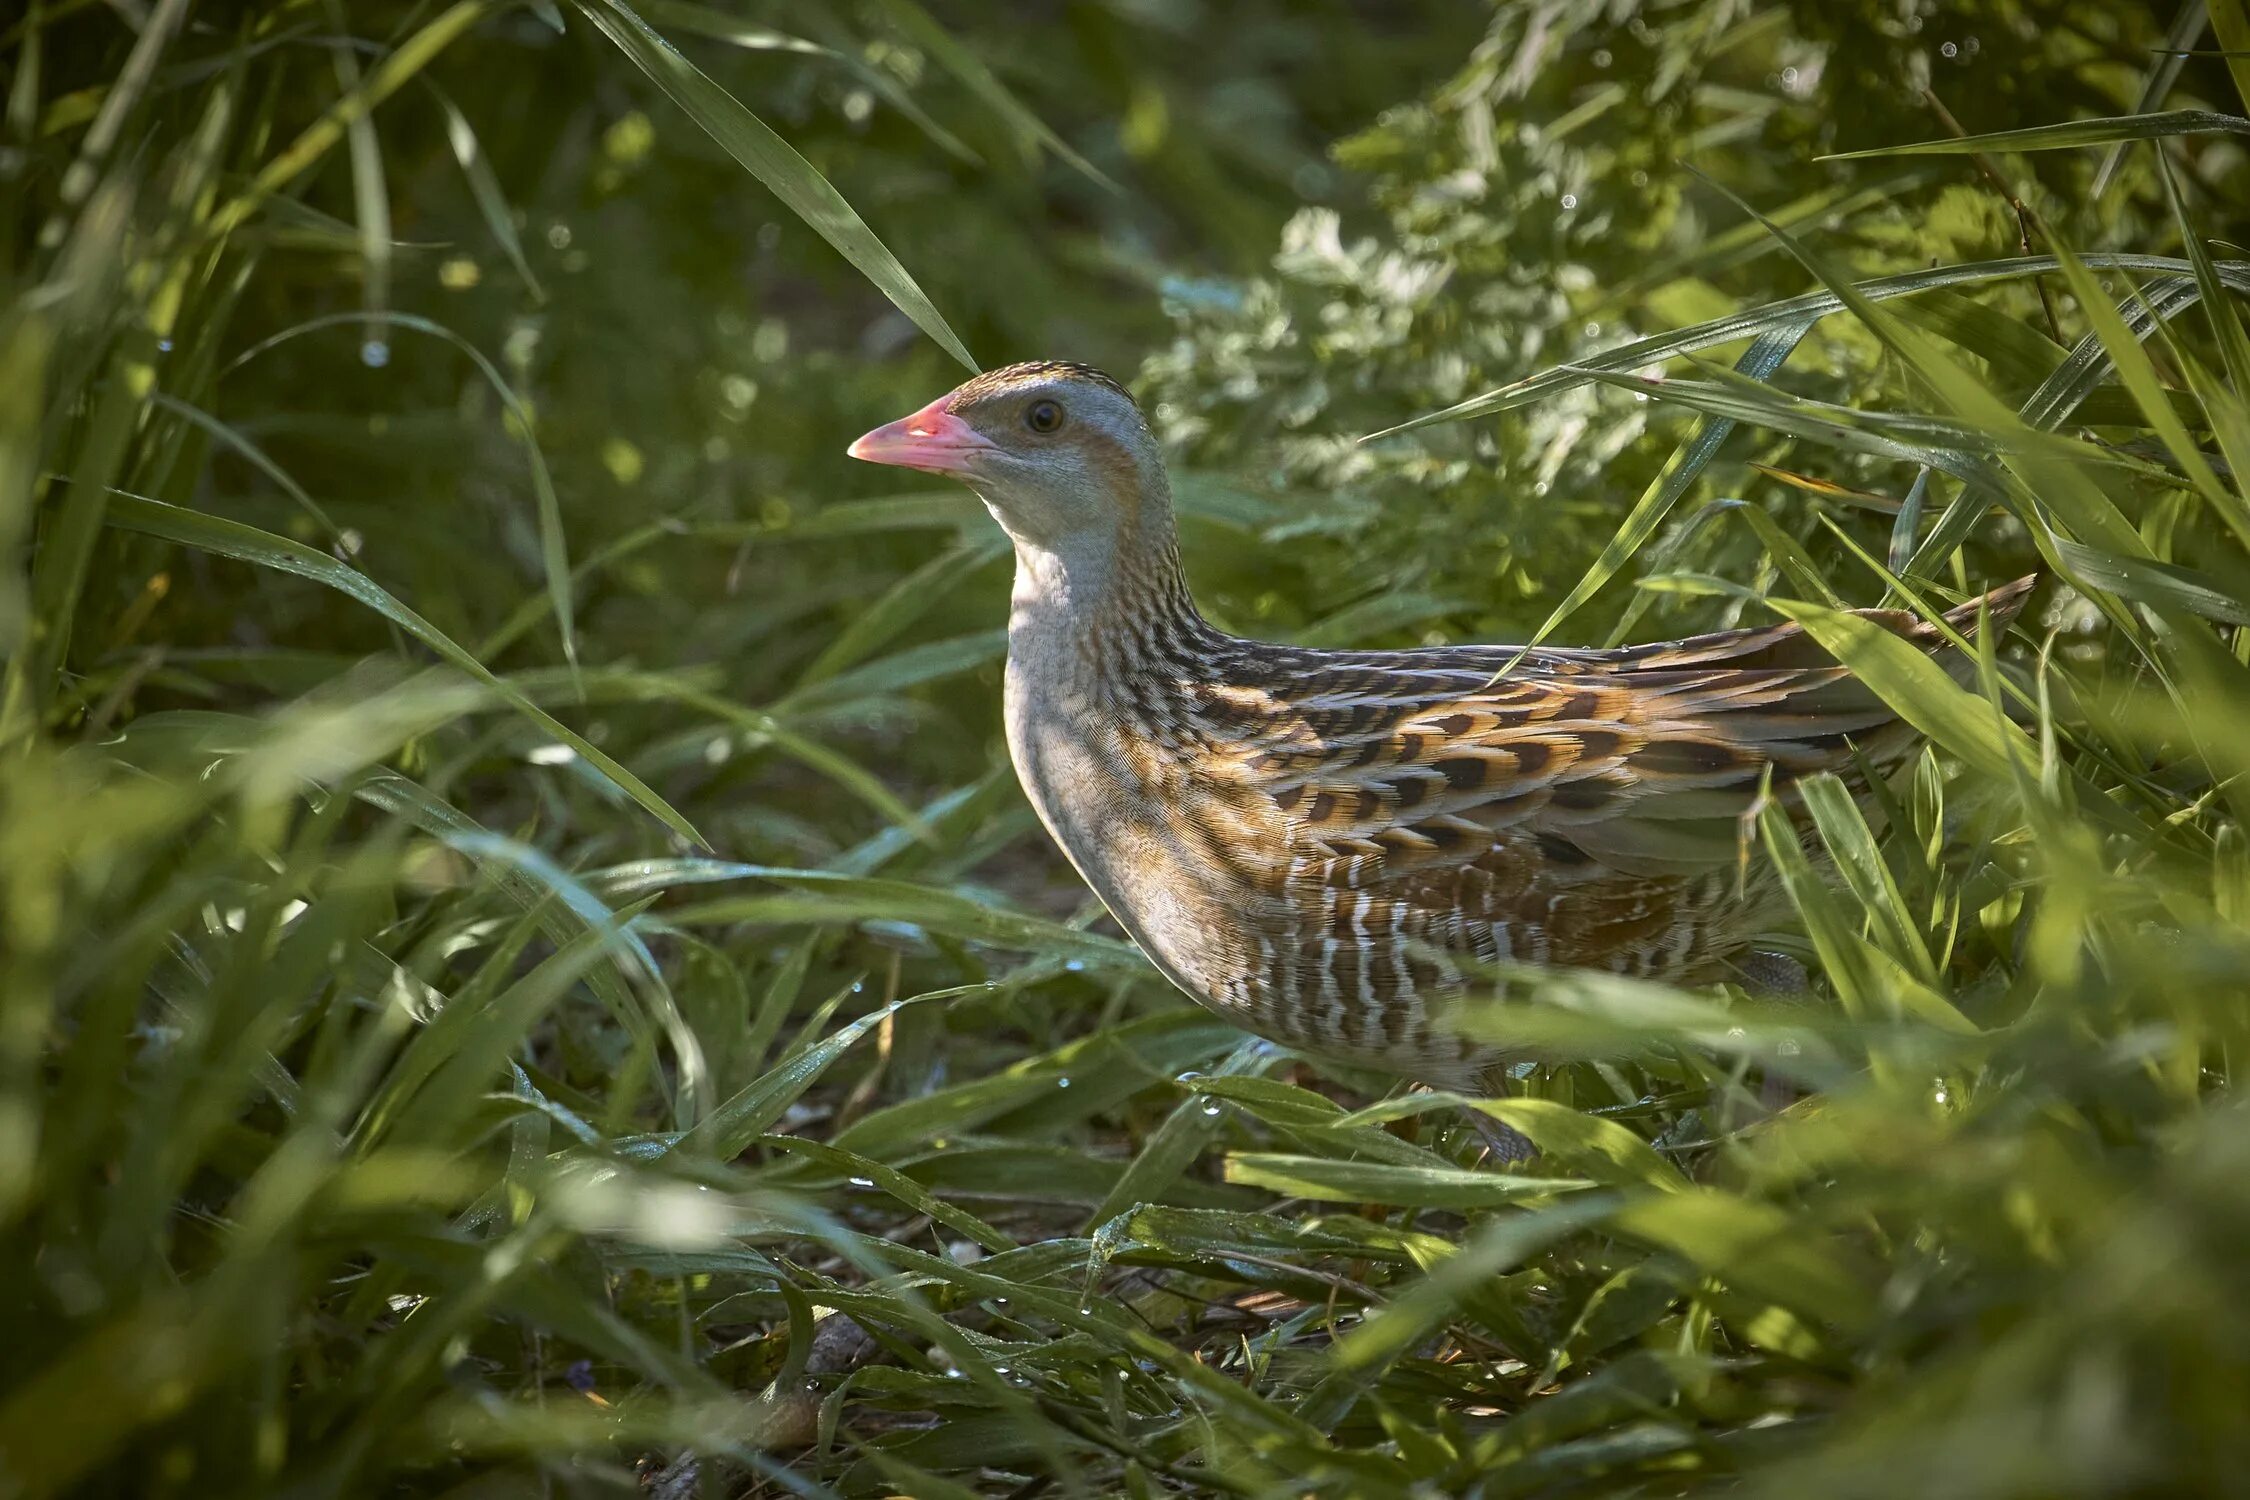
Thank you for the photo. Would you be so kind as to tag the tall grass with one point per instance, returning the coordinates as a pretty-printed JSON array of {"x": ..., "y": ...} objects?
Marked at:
[{"x": 407, "y": 1085}]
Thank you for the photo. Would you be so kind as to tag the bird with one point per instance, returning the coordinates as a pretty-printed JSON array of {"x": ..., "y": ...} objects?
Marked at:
[{"x": 1328, "y": 847}]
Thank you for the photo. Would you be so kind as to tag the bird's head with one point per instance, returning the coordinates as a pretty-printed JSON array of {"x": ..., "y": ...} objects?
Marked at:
[{"x": 1059, "y": 452}]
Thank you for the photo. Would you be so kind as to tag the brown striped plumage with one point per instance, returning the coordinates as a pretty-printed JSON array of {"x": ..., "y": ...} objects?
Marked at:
[{"x": 1317, "y": 844}]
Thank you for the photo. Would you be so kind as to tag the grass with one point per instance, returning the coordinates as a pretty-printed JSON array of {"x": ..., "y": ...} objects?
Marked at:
[{"x": 422, "y": 1071}]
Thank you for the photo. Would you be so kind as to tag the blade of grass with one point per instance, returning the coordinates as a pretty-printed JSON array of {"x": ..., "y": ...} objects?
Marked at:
[
  {"x": 2138, "y": 374},
  {"x": 66, "y": 546},
  {"x": 2068, "y": 134},
  {"x": 905, "y": 602},
  {"x": 963, "y": 63},
  {"x": 484, "y": 188},
  {"x": 257, "y": 457},
  {"x": 774, "y": 162},
  {"x": 1766, "y": 354},
  {"x": 371, "y": 199},
  {"x": 2226, "y": 326},
  {"x": 2230, "y": 24},
  {"x": 397, "y": 68},
  {"x": 2162, "y": 74},
  {"x": 1812, "y": 306},
  {"x": 703, "y": 21},
  {"x": 263, "y": 549},
  {"x": 1175, "y": 1144},
  {"x": 554, "y": 555}
]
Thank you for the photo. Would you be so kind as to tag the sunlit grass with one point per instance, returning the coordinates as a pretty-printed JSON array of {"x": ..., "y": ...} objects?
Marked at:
[{"x": 409, "y": 1079}]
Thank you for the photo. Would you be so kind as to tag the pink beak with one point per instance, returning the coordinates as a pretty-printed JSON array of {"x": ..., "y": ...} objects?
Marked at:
[{"x": 933, "y": 440}]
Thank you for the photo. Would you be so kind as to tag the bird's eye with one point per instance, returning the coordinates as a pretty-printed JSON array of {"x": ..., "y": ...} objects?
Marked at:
[{"x": 1043, "y": 416}]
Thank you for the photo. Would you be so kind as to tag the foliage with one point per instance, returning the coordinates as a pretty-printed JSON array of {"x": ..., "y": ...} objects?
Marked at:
[{"x": 522, "y": 956}]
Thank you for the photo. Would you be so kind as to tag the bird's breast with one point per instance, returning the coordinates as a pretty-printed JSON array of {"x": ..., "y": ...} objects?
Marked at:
[{"x": 1126, "y": 809}]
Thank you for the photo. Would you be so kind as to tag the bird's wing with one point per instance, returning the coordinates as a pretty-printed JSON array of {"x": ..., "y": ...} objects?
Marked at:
[{"x": 1585, "y": 799}]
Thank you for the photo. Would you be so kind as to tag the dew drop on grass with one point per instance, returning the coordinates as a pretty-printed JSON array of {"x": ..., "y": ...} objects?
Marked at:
[
  {"x": 859, "y": 986},
  {"x": 1062, "y": 1083},
  {"x": 164, "y": 346},
  {"x": 1211, "y": 1107},
  {"x": 863, "y": 1182},
  {"x": 1949, "y": 50},
  {"x": 1570, "y": 200},
  {"x": 374, "y": 354},
  {"x": 1075, "y": 966}
]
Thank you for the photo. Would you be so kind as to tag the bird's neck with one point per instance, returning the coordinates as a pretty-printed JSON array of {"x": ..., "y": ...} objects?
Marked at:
[{"x": 1088, "y": 608}]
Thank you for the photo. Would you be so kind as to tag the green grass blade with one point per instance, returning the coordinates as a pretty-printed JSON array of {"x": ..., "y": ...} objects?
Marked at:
[
  {"x": 774, "y": 162},
  {"x": 1168, "y": 1150},
  {"x": 2230, "y": 24},
  {"x": 26, "y": 348},
  {"x": 1856, "y": 856},
  {"x": 889, "y": 1179},
  {"x": 2163, "y": 72},
  {"x": 703, "y": 21},
  {"x": 1921, "y": 690},
  {"x": 554, "y": 555},
  {"x": 371, "y": 199},
  {"x": 1753, "y": 1246},
  {"x": 1812, "y": 306},
  {"x": 730, "y": 1128},
  {"x": 822, "y": 897},
  {"x": 964, "y": 64},
  {"x": 2138, "y": 373},
  {"x": 2218, "y": 308},
  {"x": 66, "y": 546},
  {"x": 239, "y": 442},
  {"x": 1401, "y": 1186},
  {"x": 2166, "y": 586},
  {"x": 484, "y": 187},
  {"x": 906, "y": 601},
  {"x": 1766, "y": 354},
  {"x": 1498, "y": 1246},
  {"x": 394, "y": 72},
  {"x": 263, "y": 549},
  {"x": 1604, "y": 1150},
  {"x": 2072, "y": 133}
]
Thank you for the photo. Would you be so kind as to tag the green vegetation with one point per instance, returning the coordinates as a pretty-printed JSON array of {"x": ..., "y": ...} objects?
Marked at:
[{"x": 515, "y": 922}]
